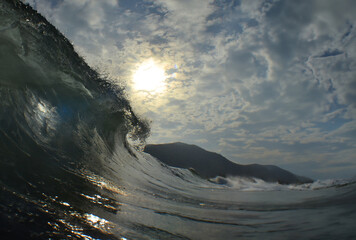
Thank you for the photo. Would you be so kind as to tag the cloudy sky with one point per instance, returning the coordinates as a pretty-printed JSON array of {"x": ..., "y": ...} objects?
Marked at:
[{"x": 269, "y": 82}]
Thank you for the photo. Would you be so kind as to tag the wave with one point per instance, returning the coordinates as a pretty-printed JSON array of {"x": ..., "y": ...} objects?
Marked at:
[
  {"x": 67, "y": 170},
  {"x": 49, "y": 95},
  {"x": 61, "y": 125},
  {"x": 255, "y": 184}
]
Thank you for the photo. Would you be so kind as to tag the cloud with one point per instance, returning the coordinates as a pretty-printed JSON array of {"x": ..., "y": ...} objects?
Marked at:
[{"x": 262, "y": 81}]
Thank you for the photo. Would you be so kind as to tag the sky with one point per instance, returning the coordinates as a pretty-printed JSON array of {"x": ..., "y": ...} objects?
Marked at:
[{"x": 262, "y": 81}]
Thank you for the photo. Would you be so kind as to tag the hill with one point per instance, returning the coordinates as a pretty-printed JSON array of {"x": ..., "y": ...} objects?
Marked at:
[{"x": 209, "y": 164}]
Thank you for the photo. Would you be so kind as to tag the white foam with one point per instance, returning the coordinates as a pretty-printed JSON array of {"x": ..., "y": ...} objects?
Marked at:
[
  {"x": 254, "y": 184},
  {"x": 320, "y": 184}
]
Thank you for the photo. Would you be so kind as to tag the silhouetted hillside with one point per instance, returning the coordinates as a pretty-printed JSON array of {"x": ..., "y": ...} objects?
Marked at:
[{"x": 210, "y": 164}]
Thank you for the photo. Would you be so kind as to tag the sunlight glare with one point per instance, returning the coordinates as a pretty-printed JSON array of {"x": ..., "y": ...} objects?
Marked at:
[{"x": 149, "y": 77}]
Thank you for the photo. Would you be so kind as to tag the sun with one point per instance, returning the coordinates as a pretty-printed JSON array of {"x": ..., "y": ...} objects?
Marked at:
[{"x": 149, "y": 77}]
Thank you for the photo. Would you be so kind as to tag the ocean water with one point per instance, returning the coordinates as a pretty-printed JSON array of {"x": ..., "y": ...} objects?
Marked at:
[{"x": 67, "y": 170}]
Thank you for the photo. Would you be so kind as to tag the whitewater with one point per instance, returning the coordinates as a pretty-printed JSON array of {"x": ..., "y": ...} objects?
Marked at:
[{"x": 67, "y": 170}]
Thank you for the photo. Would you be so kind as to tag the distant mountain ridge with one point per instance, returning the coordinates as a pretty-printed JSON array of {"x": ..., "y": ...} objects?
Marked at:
[{"x": 209, "y": 164}]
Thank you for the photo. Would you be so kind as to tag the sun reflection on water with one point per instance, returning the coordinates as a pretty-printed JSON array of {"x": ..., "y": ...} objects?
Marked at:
[{"x": 96, "y": 221}]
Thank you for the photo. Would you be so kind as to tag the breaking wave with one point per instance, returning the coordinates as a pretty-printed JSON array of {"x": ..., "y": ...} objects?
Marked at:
[
  {"x": 67, "y": 170},
  {"x": 255, "y": 184}
]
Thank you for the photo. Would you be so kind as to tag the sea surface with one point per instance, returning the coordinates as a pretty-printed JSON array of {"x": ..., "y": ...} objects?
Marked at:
[{"x": 68, "y": 171}]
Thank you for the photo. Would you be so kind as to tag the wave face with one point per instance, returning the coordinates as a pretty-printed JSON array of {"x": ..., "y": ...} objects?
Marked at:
[{"x": 67, "y": 171}]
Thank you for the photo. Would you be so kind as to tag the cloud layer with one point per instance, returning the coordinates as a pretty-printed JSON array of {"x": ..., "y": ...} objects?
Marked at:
[{"x": 270, "y": 82}]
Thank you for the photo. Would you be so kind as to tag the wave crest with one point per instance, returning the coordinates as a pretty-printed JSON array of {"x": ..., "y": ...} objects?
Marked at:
[{"x": 49, "y": 97}]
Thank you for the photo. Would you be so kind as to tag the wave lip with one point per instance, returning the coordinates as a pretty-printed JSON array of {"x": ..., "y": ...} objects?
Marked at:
[{"x": 50, "y": 95}]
